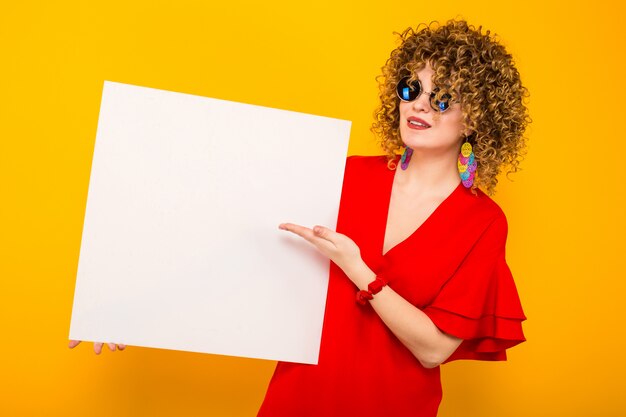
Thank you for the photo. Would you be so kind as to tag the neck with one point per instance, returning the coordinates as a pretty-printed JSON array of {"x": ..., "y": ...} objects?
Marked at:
[{"x": 430, "y": 172}]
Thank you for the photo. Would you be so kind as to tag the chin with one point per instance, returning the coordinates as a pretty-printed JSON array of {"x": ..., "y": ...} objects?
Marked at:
[{"x": 416, "y": 137}]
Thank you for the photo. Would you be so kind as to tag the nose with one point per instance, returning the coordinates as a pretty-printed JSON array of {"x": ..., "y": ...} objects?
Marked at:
[{"x": 422, "y": 103}]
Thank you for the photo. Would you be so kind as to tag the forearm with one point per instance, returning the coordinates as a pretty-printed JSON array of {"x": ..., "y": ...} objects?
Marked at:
[{"x": 410, "y": 325}]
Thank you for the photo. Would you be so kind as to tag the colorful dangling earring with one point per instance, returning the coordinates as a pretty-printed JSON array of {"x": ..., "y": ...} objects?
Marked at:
[
  {"x": 406, "y": 157},
  {"x": 467, "y": 164}
]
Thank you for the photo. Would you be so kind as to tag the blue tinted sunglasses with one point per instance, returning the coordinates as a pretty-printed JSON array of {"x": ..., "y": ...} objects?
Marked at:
[{"x": 411, "y": 92}]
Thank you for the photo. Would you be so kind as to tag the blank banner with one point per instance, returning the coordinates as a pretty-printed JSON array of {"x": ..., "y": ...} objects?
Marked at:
[{"x": 180, "y": 246}]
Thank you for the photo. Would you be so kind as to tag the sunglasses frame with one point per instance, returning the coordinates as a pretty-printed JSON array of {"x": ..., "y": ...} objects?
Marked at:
[{"x": 431, "y": 94}]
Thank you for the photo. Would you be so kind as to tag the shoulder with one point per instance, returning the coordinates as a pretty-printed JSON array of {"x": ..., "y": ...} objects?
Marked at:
[
  {"x": 482, "y": 205},
  {"x": 479, "y": 218},
  {"x": 364, "y": 173},
  {"x": 364, "y": 160},
  {"x": 366, "y": 163}
]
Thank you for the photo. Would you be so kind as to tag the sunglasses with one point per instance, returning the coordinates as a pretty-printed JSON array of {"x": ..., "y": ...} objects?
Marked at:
[{"x": 409, "y": 92}]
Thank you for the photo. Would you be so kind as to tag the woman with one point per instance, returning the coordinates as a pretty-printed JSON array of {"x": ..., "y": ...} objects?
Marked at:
[{"x": 418, "y": 274}]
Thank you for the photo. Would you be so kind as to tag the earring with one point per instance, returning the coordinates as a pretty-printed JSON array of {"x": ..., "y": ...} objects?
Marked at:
[
  {"x": 467, "y": 164},
  {"x": 406, "y": 157}
]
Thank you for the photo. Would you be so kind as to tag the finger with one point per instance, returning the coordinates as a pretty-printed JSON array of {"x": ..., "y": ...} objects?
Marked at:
[
  {"x": 121, "y": 347},
  {"x": 324, "y": 236},
  {"x": 73, "y": 343},
  {"x": 97, "y": 347},
  {"x": 319, "y": 236},
  {"x": 324, "y": 233},
  {"x": 302, "y": 231},
  {"x": 111, "y": 347}
]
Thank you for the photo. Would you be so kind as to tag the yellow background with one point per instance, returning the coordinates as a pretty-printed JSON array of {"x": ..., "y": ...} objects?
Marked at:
[{"x": 565, "y": 209}]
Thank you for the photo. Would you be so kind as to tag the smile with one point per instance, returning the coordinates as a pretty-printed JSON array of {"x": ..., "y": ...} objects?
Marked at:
[{"x": 417, "y": 125}]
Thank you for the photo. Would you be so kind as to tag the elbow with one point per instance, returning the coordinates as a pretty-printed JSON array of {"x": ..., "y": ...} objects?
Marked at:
[
  {"x": 433, "y": 356},
  {"x": 436, "y": 357},
  {"x": 429, "y": 361},
  {"x": 428, "y": 358},
  {"x": 430, "y": 364}
]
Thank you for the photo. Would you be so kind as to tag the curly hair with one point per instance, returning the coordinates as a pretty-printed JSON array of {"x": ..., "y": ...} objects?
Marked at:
[{"x": 473, "y": 68}]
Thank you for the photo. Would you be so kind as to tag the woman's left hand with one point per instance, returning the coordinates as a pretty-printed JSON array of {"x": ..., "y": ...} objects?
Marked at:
[{"x": 337, "y": 247}]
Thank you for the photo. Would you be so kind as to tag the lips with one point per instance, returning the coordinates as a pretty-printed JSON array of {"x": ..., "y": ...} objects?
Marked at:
[
  {"x": 417, "y": 119},
  {"x": 421, "y": 126}
]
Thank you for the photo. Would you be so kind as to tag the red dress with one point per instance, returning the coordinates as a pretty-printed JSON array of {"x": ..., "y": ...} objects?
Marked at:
[{"x": 452, "y": 267}]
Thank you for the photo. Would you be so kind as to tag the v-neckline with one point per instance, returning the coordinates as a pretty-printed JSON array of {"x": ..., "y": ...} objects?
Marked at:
[{"x": 388, "y": 189}]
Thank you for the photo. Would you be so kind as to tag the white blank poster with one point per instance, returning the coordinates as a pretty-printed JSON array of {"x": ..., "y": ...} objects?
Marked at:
[{"x": 181, "y": 247}]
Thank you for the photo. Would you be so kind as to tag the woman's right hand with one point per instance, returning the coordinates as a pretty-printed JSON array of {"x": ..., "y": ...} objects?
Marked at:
[{"x": 97, "y": 346}]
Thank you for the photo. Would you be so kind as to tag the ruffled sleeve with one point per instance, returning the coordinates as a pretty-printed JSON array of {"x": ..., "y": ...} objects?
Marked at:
[{"x": 479, "y": 302}]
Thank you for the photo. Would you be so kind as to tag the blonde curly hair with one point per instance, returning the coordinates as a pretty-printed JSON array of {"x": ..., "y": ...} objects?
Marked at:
[{"x": 473, "y": 68}]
